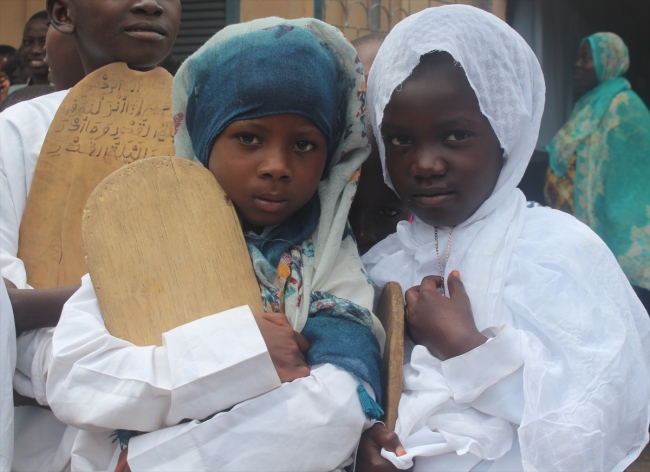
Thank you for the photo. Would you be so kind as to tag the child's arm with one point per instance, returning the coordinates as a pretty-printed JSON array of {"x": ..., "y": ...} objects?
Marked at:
[
  {"x": 34, "y": 309},
  {"x": 313, "y": 423},
  {"x": 99, "y": 382}
]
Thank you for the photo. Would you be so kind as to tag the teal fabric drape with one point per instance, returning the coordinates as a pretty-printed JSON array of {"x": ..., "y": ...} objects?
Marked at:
[{"x": 608, "y": 134}]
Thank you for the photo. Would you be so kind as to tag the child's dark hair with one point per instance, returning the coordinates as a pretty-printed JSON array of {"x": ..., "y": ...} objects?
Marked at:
[{"x": 7, "y": 51}]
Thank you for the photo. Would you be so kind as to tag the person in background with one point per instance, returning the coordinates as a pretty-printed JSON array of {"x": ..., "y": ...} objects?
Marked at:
[
  {"x": 15, "y": 69},
  {"x": 600, "y": 159},
  {"x": 7, "y": 53},
  {"x": 376, "y": 209},
  {"x": 66, "y": 68},
  {"x": 32, "y": 51}
]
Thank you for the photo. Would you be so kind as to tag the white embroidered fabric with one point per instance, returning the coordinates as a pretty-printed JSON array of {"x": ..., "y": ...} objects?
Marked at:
[{"x": 571, "y": 340}]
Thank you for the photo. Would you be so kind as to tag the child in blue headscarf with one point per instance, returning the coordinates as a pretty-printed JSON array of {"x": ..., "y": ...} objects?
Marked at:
[{"x": 275, "y": 109}]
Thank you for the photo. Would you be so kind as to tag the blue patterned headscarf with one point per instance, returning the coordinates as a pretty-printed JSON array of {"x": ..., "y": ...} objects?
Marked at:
[
  {"x": 270, "y": 71},
  {"x": 273, "y": 66},
  {"x": 608, "y": 134},
  {"x": 266, "y": 72}
]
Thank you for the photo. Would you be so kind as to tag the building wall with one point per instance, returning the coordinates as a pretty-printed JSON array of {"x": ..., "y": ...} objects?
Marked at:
[
  {"x": 13, "y": 16},
  {"x": 253, "y": 9},
  {"x": 351, "y": 16}
]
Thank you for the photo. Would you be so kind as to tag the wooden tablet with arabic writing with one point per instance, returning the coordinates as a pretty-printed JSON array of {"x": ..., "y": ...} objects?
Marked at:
[
  {"x": 390, "y": 311},
  {"x": 113, "y": 117},
  {"x": 165, "y": 247}
]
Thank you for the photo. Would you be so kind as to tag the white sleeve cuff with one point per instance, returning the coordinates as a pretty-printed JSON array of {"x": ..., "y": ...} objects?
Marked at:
[
  {"x": 216, "y": 362},
  {"x": 470, "y": 374}
]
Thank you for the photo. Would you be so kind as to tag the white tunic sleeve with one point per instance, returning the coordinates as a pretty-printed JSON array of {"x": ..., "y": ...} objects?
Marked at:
[
  {"x": 313, "y": 423},
  {"x": 203, "y": 367},
  {"x": 23, "y": 128},
  {"x": 490, "y": 377}
]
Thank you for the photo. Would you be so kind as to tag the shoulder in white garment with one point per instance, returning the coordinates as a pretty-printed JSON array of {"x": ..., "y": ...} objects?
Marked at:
[
  {"x": 22, "y": 132},
  {"x": 41, "y": 440}
]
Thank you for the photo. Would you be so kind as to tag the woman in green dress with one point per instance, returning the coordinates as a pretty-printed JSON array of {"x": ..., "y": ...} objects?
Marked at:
[{"x": 600, "y": 159}]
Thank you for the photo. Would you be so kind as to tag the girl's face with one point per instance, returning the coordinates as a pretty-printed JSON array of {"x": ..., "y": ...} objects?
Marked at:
[
  {"x": 442, "y": 155},
  {"x": 270, "y": 167}
]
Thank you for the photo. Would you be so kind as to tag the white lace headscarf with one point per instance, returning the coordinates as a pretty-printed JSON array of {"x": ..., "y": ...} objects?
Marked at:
[{"x": 508, "y": 81}]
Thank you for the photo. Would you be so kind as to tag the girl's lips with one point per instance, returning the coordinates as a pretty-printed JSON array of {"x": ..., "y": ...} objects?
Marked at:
[
  {"x": 270, "y": 205},
  {"x": 146, "y": 30},
  {"x": 433, "y": 201},
  {"x": 146, "y": 35}
]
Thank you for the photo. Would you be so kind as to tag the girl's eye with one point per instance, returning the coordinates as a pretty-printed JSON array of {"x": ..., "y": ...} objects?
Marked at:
[
  {"x": 248, "y": 139},
  {"x": 401, "y": 141},
  {"x": 303, "y": 146},
  {"x": 457, "y": 136}
]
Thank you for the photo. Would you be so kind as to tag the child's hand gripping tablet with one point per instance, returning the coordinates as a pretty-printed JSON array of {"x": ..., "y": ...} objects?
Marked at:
[
  {"x": 445, "y": 326},
  {"x": 369, "y": 452}
]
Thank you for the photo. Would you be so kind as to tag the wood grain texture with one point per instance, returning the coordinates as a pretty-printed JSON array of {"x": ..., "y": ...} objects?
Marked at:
[
  {"x": 164, "y": 247},
  {"x": 390, "y": 311},
  {"x": 111, "y": 118}
]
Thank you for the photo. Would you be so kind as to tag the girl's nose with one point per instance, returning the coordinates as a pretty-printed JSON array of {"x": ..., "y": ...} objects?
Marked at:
[
  {"x": 429, "y": 163},
  {"x": 276, "y": 165},
  {"x": 150, "y": 7}
]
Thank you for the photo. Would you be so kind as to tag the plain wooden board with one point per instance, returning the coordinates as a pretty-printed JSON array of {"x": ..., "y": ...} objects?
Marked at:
[
  {"x": 164, "y": 247},
  {"x": 390, "y": 311},
  {"x": 111, "y": 118}
]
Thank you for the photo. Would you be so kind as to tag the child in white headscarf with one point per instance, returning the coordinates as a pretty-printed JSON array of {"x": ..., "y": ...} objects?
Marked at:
[{"x": 538, "y": 359}]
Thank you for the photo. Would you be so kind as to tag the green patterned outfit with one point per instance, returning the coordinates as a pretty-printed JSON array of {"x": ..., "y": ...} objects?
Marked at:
[{"x": 600, "y": 161}]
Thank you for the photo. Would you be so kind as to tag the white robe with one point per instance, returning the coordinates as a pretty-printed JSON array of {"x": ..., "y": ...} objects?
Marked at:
[
  {"x": 41, "y": 441},
  {"x": 100, "y": 383},
  {"x": 465, "y": 413},
  {"x": 7, "y": 366}
]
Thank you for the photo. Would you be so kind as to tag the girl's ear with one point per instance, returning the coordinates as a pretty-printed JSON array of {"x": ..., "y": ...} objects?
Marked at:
[{"x": 59, "y": 13}]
